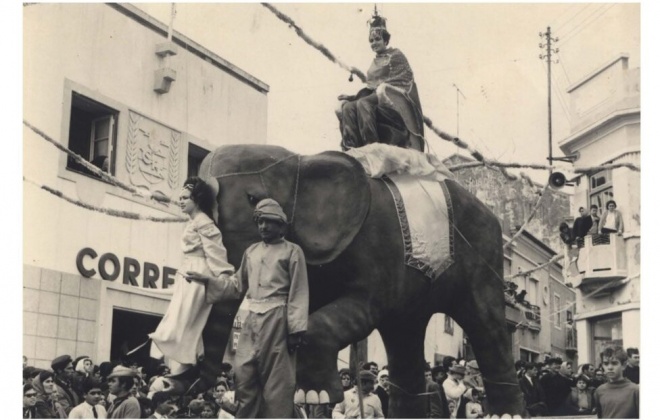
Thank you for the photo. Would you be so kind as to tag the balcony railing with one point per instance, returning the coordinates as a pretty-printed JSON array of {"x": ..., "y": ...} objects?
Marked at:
[
  {"x": 533, "y": 316},
  {"x": 602, "y": 258},
  {"x": 571, "y": 339}
]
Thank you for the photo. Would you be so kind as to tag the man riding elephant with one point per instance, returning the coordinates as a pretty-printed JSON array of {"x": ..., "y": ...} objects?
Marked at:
[{"x": 388, "y": 109}]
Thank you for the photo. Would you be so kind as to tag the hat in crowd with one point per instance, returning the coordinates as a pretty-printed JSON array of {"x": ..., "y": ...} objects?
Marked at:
[
  {"x": 61, "y": 362},
  {"x": 269, "y": 209},
  {"x": 472, "y": 364},
  {"x": 105, "y": 368},
  {"x": 366, "y": 375},
  {"x": 121, "y": 371},
  {"x": 457, "y": 369},
  {"x": 79, "y": 363},
  {"x": 382, "y": 373},
  {"x": 344, "y": 371}
]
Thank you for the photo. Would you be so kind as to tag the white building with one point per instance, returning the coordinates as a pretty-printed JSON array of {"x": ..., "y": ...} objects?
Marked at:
[
  {"x": 605, "y": 129},
  {"x": 102, "y": 80}
]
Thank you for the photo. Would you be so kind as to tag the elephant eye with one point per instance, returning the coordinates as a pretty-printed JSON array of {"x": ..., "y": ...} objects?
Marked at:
[{"x": 252, "y": 199}]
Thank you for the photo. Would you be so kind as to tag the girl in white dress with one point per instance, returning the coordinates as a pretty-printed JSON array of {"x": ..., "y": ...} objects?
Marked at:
[{"x": 179, "y": 334}]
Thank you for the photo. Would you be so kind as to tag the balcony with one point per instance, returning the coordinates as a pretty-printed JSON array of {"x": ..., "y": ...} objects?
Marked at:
[
  {"x": 601, "y": 263},
  {"x": 533, "y": 316},
  {"x": 571, "y": 340},
  {"x": 522, "y": 315}
]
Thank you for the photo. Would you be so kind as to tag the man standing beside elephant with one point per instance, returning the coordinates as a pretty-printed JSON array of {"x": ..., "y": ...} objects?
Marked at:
[{"x": 274, "y": 274}]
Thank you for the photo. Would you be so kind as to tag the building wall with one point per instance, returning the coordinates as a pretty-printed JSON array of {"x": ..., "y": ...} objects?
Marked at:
[
  {"x": 605, "y": 128},
  {"x": 107, "y": 53}
]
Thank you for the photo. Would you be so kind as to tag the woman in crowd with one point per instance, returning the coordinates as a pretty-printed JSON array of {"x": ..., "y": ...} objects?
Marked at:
[
  {"x": 179, "y": 334},
  {"x": 611, "y": 221},
  {"x": 29, "y": 402},
  {"x": 47, "y": 406}
]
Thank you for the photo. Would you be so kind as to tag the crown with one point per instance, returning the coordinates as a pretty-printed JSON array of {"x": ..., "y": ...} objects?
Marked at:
[{"x": 377, "y": 22}]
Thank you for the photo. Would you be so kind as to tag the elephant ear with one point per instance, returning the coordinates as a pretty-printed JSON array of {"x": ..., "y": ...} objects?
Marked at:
[{"x": 331, "y": 205}]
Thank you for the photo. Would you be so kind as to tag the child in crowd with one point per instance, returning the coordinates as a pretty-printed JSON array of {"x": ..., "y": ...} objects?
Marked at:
[{"x": 619, "y": 397}]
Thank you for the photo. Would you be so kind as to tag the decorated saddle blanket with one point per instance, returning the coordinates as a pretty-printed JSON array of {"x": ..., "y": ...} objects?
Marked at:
[{"x": 423, "y": 204}]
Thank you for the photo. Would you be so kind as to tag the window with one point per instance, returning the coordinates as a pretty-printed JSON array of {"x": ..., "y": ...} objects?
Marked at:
[
  {"x": 449, "y": 325},
  {"x": 556, "y": 310},
  {"x": 196, "y": 155},
  {"x": 92, "y": 134},
  {"x": 607, "y": 332},
  {"x": 600, "y": 189}
]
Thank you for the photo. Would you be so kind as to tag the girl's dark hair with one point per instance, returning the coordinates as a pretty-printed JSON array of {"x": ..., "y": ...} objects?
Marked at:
[
  {"x": 383, "y": 33},
  {"x": 27, "y": 387},
  {"x": 612, "y": 202},
  {"x": 43, "y": 375},
  {"x": 202, "y": 194}
]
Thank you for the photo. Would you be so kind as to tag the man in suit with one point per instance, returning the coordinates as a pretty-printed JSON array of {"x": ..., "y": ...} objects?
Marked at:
[
  {"x": 582, "y": 224},
  {"x": 533, "y": 391},
  {"x": 435, "y": 409}
]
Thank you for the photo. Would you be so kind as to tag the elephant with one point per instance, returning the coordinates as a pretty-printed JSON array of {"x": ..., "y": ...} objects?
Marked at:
[{"x": 347, "y": 225}]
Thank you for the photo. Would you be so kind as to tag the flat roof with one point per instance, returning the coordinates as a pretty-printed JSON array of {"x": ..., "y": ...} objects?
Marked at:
[{"x": 189, "y": 45}]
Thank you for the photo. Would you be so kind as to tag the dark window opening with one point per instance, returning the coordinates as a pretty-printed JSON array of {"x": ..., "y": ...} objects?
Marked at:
[
  {"x": 92, "y": 134},
  {"x": 196, "y": 155},
  {"x": 129, "y": 330}
]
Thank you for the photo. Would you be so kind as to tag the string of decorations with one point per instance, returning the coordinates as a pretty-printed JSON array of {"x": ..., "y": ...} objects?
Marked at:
[
  {"x": 552, "y": 260},
  {"x": 97, "y": 171},
  {"x": 580, "y": 170},
  {"x": 318, "y": 46},
  {"x": 110, "y": 212}
]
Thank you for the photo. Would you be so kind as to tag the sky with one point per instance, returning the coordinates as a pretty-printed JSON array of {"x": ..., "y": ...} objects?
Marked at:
[{"x": 490, "y": 52}]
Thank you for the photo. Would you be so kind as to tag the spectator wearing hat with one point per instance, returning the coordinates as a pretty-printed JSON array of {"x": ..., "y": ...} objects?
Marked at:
[
  {"x": 454, "y": 387},
  {"x": 29, "y": 402},
  {"x": 533, "y": 391},
  {"x": 350, "y": 407},
  {"x": 383, "y": 389},
  {"x": 273, "y": 274},
  {"x": 63, "y": 377},
  {"x": 473, "y": 378},
  {"x": 125, "y": 405},
  {"x": 90, "y": 407}
]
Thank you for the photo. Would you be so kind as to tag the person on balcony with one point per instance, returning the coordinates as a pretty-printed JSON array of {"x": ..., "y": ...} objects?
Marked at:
[
  {"x": 566, "y": 234},
  {"x": 582, "y": 224},
  {"x": 595, "y": 220},
  {"x": 611, "y": 222}
]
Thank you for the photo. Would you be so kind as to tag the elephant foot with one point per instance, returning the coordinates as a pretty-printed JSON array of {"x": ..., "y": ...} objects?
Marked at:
[{"x": 311, "y": 397}]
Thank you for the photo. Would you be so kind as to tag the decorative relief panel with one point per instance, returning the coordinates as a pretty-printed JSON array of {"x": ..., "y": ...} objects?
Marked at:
[{"x": 153, "y": 155}]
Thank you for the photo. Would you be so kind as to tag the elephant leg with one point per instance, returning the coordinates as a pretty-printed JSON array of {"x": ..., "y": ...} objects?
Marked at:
[
  {"x": 329, "y": 329},
  {"x": 404, "y": 343},
  {"x": 481, "y": 316}
]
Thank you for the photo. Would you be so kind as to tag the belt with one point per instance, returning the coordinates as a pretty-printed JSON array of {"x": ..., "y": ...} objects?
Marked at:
[{"x": 261, "y": 306}]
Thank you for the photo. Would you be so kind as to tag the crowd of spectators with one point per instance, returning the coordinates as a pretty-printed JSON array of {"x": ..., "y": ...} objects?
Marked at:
[
  {"x": 454, "y": 389},
  {"x": 78, "y": 389},
  {"x": 553, "y": 388}
]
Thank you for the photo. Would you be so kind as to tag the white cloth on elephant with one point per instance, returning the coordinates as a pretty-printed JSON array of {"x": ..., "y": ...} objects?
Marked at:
[
  {"x": 380, "y": 159},
  {"x": 179, "y": 334}
]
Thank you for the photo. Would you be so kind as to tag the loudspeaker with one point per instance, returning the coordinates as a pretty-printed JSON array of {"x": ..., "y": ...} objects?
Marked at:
[{"x": 557, "y": 180}]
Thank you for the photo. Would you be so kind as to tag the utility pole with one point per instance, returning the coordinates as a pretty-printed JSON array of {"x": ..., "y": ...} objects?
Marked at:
[
  {"x": 548, "y": 57},
  {"x": 458, "y": 91}
]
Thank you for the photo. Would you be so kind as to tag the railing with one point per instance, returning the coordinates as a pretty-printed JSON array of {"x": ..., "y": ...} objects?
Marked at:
[
  {"x": 571, "y": 339},
  {"x": 533, "y": 316},
  {"x": 601, "y": 257}
]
